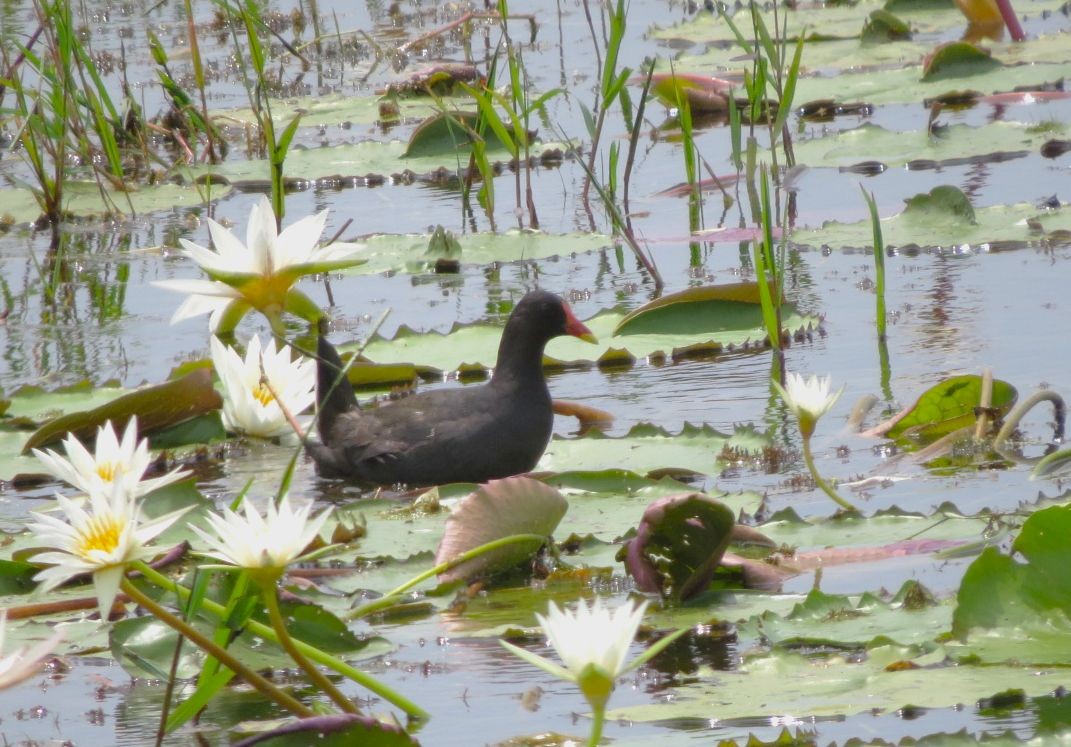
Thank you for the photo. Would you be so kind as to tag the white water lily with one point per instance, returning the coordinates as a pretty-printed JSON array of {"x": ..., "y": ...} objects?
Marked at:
[
  {"x": 264, "y": 544},
  {"x": 808, "y": 400},
  {"x": 592, "y": 642},
  {"x": 248, "y": 404},
  {"x": 593, "y": 637},
  {"x": 102, "y": 541},
  {"x": 260, "y": 273},
  {"x": 113, "y": 462},
  {"x": 23, "y": 663}
]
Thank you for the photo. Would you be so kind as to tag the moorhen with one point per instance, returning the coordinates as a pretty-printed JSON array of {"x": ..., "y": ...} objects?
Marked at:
[{"x": 472, "y": 434}]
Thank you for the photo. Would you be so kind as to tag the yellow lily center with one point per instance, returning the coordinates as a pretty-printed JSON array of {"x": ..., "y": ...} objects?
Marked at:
[
  {"x": 100, "y": 536},
  {"x": 108, "y": 471},
  {"x": 267, "y": 293},
  {"x": 262, "y": 394}
]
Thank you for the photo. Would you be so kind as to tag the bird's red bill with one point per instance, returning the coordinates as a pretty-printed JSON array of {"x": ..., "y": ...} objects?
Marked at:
[{"x": 575, "y": 327}]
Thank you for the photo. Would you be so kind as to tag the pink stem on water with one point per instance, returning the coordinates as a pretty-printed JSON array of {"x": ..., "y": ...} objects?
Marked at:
[{"x": 1007, "y": 12}]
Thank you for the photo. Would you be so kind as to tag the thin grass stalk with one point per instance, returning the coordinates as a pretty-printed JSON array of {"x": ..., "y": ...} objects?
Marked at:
[
  {"x": 610, "y": 84},
  {"x": 766, "y": 270},
  {"x": 633, "y": 142},
  {"x": 879, "y": 262},
  {"x": 199, "y": 78}
]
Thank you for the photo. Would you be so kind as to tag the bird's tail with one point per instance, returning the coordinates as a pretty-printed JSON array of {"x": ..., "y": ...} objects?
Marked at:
[{"x": 334, "y": 394}]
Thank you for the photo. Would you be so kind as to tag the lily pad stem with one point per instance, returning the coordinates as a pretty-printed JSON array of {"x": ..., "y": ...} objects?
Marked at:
[
  {"x": 388, "y": 599},
  {"x": 271, "y": 602},
  {"x": 808, "y": 457},
  {"x": 225, "y": 657},
  {"x": 320, "y": 657}
]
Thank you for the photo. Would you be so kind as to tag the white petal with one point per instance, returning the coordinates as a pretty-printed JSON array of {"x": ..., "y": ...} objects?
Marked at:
[
  {"x": 297, "y": 243},
  {"x": 106, "y": 581}
]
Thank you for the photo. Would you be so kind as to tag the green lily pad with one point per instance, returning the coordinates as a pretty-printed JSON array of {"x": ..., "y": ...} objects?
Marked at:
[
  {"x": 958, "y": 60},
  {"x": 1020, "y": 223},
  {"x": 364, "y": 159},
  {"x": 883, "y": 26},
  {"x": 887, "y": 678},
  {"x": 1026, "y": 603},
  {"x": 408, "y": 252},
  {"x": 448, "y": 133},
  {"x": 869, "y": 142},
  {"x": 846, "y": 623},
  {"x": 498, "y": 509},
  {"x": 949, "y": 406},
  {"x": 709, "y": 308},
  {"x": 478, "y": 343},
  {"x": 336, "y": 109},
  {"x": 945, "y": 202},
  {"x": 84, "y": 199},
  {"x": 892, "y": 72}
]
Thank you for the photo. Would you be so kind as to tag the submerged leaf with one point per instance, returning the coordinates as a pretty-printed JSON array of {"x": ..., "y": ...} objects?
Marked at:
[{"x": 334, "y": 730}]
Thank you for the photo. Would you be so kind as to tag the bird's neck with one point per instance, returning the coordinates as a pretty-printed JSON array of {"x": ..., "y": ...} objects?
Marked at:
[{"x": 520, "y": 360}]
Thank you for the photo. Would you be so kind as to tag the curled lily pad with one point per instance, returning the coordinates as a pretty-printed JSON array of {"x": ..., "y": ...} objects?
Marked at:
[
  {"x": 336, "y": 729},
  {"x": 497, "y": 509},
  {"x": 156, "y": 407},
  {"x": 705, "y": 94},
  {"x": 883, "y": 26},
  {"x": 945, "y": 408},
  {"x": 679, "y": 544},
  {"x": 447, "y": 132},
  {"x": 694, "y": 310},
  {"x": 946, "y": 201},
  {"x": 957, "y": 60}
]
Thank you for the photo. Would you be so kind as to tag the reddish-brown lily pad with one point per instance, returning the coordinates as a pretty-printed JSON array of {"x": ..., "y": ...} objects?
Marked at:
[{"x": 156, "y": 408}]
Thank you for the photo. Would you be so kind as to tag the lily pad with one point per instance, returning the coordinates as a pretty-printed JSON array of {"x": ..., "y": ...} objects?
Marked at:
[
  {"x": 156, "y": 408},
  {"x": 958, "y": 60},
  {"x": 408, "y": 252},
  {"x": 869, "y": 142},
  {"x": 498, "y": 509},
  {"x": 949, "y": 406},
  {"x": 448, "y": 132},
  {"x": 84, "y": 199},
  {"x": 1022, "y": 223},
  {"x": 1029, "y": 601},
  {"x": 709, "y": 308},
  {"x": 478, "y": 343},
  {"x": 802, "y": 686},
  {"x": 334, "y": 730},
  {"x": 369, "y": 158},
  {"x": 945, "y": 202},
  {"x": 679, "y": 544}
]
